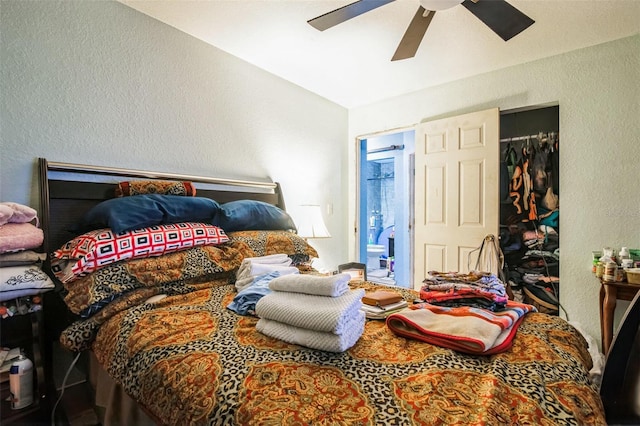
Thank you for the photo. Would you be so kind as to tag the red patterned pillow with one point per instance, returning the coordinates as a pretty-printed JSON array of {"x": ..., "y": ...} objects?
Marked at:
[{"x": 93, "y": 250}]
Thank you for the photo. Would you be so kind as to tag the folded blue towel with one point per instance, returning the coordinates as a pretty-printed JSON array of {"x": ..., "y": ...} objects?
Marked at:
[{"x": 245, "y": 301}]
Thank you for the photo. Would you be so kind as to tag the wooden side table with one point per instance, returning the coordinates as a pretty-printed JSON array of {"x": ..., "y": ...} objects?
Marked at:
[{"x": 610, "y": 293}]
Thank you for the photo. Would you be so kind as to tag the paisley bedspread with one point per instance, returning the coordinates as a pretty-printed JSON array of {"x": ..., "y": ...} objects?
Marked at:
[{"x": 188, "y": 360}]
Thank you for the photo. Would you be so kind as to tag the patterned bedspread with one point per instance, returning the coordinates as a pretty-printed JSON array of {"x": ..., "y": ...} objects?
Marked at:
[{"x": 189, "y": 360}]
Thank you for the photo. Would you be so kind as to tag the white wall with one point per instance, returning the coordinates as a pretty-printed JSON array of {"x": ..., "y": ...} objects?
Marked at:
[
  {"x": 598, "y": 93},
  {"x": 100, "y": 83}
]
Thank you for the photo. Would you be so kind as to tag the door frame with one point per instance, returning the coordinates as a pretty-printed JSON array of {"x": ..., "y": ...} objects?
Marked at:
[{"x": 358, "y": 193}]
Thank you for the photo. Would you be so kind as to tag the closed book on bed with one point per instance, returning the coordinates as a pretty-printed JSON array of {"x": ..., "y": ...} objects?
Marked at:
[{"x": 381, "y": 298}]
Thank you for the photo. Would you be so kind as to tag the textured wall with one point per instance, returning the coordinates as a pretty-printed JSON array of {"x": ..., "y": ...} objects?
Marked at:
[
  {"x": 100, "y": 83},
  {"x": 599, "y": 97}
]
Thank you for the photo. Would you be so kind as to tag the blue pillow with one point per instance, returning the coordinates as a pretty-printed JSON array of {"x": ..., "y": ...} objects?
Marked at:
[
  {"x": 251, "y": 215},
  {"x": 142, "y": 211}
]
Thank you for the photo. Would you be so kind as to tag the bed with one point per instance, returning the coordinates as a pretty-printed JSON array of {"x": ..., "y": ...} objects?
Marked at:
[{"x": 187, "y": 359}]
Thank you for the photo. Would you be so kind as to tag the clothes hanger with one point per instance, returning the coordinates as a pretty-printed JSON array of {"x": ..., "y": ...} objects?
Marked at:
[{"x": 524, "y": 152}]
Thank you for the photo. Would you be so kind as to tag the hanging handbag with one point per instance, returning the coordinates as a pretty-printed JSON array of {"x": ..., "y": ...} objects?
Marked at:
[{"x": 491, "y": 259}]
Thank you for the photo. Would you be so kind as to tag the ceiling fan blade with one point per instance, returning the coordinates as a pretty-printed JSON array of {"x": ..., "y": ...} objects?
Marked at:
[
  {"x": 504, "y": 19},
  {"x": 345, "y": 13},
  {"x": 413, "y": 36}
]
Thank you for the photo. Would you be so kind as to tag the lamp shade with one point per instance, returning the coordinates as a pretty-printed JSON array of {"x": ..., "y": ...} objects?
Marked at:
[{"x": 310, "y": 223}]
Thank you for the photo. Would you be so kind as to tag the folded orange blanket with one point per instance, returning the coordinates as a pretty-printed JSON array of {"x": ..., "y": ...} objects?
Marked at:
[{"x": 464, "y": 329}]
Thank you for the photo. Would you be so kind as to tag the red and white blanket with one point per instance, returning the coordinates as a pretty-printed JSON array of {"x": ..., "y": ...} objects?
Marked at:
[{"x": 465, "y": 329}]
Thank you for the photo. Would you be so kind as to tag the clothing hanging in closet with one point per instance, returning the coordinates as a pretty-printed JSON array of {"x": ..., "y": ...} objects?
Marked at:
[
  {"x": 530, "y": 216},
  {"x": 532, "y": 170}
]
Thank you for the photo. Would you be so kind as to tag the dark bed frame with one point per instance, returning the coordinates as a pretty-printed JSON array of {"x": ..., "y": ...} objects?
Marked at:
[
  {"x": 64, "y": 201},
  {"x": 68, "y": 191}
]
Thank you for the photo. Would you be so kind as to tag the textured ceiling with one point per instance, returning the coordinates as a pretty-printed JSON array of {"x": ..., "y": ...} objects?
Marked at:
[{"x": 350, "y": 64}]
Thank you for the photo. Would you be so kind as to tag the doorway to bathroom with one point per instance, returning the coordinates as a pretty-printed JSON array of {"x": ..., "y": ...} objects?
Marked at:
[{"x": 386, "y": 207}]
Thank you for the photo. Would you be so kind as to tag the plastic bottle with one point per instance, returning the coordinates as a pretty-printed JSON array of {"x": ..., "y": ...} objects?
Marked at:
[
  {"x": 21, "y": 382},
  {"x": 610, "y": 272},
  {"x": 624, "y": 254}
]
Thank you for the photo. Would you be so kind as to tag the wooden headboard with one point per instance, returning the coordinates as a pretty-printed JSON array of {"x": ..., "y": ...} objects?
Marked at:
[{"x": 68, "y": 191}]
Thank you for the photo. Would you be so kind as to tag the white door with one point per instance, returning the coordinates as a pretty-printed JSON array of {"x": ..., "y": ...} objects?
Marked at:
[{"x": 457, "y": 177}]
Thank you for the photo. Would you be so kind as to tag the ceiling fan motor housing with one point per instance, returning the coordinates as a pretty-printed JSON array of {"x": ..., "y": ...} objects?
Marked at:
[{"x": 437, "y": 5}]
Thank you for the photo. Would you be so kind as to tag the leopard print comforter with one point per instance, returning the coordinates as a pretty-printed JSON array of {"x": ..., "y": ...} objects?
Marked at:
[{"x": 188, "y": 360}]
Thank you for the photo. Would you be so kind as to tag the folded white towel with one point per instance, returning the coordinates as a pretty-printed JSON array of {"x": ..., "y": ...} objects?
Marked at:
[
  {"x": 242, "y": 283},
  {"x": 320, "y": 285},
  {"x": 315, "y": 339},
  {"x": 251, "y": 267},
  {"x": 320, "y": 313},
  {"x": 274, "y": 259},
  {"x": 260, "y": 269},
  {"x": 245, "y": 278}
]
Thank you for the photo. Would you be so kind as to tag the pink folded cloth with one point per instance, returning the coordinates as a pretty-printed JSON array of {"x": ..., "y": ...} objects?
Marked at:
[
  {"x": 464, "y": 329},
  {"x": 17, "y": 213},
  {"x": 20, "y": 236}
]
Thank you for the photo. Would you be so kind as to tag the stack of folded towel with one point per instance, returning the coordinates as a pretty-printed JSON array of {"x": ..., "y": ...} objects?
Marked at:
[
  {"x": 319, "y": 312},
  {"x": 253, "y": 267},
  {"x": 21, "y": 273}
]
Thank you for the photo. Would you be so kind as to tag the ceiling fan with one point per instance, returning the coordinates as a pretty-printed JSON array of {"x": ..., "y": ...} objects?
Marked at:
[{"x": 504, "y": 19}]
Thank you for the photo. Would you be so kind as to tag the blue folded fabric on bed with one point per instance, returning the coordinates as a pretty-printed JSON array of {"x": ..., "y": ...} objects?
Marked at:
[
  {"x": 244, "y": 303},
  {"x": 142, "y": 211}
]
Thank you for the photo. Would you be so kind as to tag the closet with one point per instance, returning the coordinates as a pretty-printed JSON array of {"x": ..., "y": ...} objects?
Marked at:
[{"x": 530, "y": 204}]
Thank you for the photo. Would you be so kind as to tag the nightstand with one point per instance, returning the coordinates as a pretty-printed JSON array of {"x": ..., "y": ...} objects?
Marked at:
[
  {"x": 610, "y": 293},
  {"x": 26, "y": 331}
]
